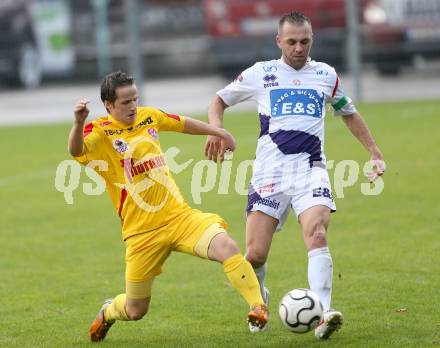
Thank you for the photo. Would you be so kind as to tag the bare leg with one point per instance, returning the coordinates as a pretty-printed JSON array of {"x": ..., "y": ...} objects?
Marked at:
[
  {"x": 259, "y": 233},
  {"x": 222, "y": 247},
  {"x": 137, "y": 308},
  {"x": 314, "y": 224},
  {"x": 260, "y": 228}
]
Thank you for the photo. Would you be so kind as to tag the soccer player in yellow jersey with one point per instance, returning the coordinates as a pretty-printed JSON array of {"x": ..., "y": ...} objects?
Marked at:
[{"x": 123, "y": 147}]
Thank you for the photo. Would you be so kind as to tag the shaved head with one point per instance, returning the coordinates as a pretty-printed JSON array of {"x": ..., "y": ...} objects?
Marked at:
[{"x": 297, "y": 18}]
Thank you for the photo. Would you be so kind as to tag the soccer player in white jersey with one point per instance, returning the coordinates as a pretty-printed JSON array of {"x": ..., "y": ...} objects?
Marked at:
[{"x": 289, "y": 168}]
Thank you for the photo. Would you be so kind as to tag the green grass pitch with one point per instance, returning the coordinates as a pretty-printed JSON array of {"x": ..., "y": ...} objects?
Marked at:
[{"x": 58, "y": 262}]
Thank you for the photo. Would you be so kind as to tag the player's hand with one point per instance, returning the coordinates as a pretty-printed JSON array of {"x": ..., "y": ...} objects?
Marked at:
[
  {"x": 379, "y": 167},
  {"x": 212, "y": 147},
  {"x": 81, "y": 110},
  {"x": 227, "y": 144}
]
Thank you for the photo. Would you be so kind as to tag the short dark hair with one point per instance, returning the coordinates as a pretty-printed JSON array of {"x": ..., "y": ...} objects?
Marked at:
[
  {"x": 294, "y": 18},
  {"x": 111, "y": 82}
]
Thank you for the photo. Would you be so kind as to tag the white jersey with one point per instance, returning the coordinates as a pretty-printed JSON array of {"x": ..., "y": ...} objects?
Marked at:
[{"x": 291, "y": 107}]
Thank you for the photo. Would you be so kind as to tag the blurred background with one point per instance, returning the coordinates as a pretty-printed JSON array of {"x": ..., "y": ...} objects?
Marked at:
[{"x": 180, "y": 49}]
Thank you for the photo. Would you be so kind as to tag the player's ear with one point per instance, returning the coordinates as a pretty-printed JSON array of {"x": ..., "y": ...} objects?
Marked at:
[
  {"x": 108, "y": 105},
  {"x": 278, "y": 39}
]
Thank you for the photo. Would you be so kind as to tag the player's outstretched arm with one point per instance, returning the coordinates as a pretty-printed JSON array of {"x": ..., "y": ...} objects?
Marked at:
[
  {"x": 360, "y": 130},
  {"x": 216, "y": 110},
  {"x": 76, "y": 140},
  {"x": 227, "y": 141},
  {"x": 213, "y": 144}
]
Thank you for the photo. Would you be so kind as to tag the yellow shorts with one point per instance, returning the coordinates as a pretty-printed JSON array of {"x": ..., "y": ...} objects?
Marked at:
[{"x": 190, "y": 233}]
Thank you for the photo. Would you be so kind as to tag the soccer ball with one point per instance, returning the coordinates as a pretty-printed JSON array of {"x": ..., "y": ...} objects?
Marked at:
[{"x": 300, "y": 310}]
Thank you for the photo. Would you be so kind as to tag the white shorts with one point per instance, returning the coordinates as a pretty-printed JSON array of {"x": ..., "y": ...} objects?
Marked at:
[{"x": 307, "y": 189}]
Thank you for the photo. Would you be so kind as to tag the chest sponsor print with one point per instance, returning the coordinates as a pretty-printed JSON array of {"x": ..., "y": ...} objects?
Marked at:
[{"x": 296, "y": 102}]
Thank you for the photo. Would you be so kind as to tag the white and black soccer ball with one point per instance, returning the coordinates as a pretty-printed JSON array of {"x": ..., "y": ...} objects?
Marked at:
[{"x": 300, "y": 310}]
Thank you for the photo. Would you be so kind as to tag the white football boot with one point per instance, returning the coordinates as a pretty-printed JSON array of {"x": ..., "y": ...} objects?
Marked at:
[
  {"x": 331, "y": 322},
  {"x": 254, "y": 328}
]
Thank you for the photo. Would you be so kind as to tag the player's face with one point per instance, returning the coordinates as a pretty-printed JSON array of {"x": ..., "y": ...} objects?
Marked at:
[
  {"x": 123, "y": 109},
  {"x": 295, "y": 41}
]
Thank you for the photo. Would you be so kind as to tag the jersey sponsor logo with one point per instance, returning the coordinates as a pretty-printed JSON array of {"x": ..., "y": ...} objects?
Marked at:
[
  {"x": 271, "y": 84},
  {"x": 296, "y": 102},
  {"x": 270, "y": 80},
  {"x": 271, "y": 203},
  {"x": 322, "y": 192},
  {"x": 110, "y": 132},
  {"x": 120, "y": 145},
  {"x": 269, "y": 68},
  {"x": 105, "y": 123},
  {"x": 270, "y": 188},
  {"x": 153, "y": 133},
  {"x": 148, "y": 120},
  {"x": 142, "y": 167}
]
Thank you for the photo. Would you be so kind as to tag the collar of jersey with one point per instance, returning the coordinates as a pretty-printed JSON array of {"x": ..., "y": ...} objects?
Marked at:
[
  {"x": 117, "y": 123},
  {"x": 283, "y": 63}
]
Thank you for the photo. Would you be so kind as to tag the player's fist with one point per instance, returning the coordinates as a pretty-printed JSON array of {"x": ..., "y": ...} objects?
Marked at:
[
  {"x": 228, "y": 142},
  {"x": 212, "y": 147},
  {"x": 216, "y": 147},
  {"x": 81, "y": 110},
  {"x": 378, "y": 165}
]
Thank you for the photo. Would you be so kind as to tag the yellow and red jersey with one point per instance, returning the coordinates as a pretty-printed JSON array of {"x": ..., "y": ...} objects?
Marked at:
[{"x": 132, "y": 164}]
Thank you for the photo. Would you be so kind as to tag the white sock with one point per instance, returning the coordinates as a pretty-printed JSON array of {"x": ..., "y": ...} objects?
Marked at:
[
  {"x": 320, "y": 274},
  {"x": 261, "y": 276}
]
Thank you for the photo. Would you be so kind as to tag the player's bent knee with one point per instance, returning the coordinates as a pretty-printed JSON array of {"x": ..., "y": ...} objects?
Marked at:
[
  {"x": 320, "y": 238},
  {"x": 137, "y": 308},
  {"x": 230, "y": 248},
  {"x": 314, "y": 228},
  {"x": 222, "y": 247},
  {"x": 256, "y": 257},
  {"x": 135, "y": 315},
  {"x": 316, "y": 238},
  {"x": 136, "y": 312}
]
